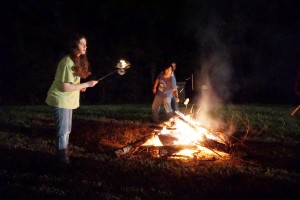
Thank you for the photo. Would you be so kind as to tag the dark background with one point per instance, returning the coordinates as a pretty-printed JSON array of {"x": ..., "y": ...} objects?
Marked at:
[{"x": 258, "y": 41}]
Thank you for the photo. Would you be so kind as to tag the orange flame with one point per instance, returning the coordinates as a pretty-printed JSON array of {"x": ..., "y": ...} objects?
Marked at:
[{"x": 186, "y": 135}]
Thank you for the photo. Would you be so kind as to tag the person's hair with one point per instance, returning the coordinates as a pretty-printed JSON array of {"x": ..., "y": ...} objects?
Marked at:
[{"x": 81, "y": 64}]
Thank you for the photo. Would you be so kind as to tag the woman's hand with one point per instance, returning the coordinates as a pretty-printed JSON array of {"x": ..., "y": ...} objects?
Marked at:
[
  {"x": 69, "y": 87},
  {"x": 91, "y": 83}
]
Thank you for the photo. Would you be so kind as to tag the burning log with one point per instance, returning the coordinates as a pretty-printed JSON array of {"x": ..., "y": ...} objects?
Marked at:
[
  {"x": 179, "y": 138},
  {"x": 123, "y": 151},
  {"x": 131, "y": 147},
  {"x": 212, "y": 144}
]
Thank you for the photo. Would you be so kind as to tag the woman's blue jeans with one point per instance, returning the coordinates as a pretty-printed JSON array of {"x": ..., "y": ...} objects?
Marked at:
[{"x": 63, "y": 122}]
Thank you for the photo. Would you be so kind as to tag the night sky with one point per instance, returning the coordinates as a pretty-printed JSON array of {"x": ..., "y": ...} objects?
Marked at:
[{"x": 250, "y": 49}]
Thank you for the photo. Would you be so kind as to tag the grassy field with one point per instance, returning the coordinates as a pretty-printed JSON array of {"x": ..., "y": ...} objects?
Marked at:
[{"x": 264, "y": 161}]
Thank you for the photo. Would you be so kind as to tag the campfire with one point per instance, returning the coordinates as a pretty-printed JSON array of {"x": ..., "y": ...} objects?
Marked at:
[
  {"x": 199, "y": 133},
  {"x": 181, "y": 137}
]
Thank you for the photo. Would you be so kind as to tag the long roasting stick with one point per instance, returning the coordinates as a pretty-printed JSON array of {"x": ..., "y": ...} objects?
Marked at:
[
  {"x": 295, "y": 111},
  {"x": 107, "y": 75}
]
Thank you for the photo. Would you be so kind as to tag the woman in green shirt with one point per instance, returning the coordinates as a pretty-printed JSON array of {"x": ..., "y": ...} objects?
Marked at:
[{"x": 64, "y": 92}]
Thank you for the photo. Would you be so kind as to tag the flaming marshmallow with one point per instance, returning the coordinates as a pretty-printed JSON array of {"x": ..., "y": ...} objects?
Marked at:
[{"x": 186, "y": 102}]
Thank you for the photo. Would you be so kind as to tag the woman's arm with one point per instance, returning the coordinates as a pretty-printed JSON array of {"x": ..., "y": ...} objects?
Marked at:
[{"x": 70, "y": 87}]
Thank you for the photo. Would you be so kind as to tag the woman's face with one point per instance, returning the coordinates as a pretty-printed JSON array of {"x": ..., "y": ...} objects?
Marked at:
[{"x": 82, "y": 46}]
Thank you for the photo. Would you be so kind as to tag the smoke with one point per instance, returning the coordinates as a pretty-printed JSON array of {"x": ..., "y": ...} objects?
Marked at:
[{"x": 215, "y": 77}]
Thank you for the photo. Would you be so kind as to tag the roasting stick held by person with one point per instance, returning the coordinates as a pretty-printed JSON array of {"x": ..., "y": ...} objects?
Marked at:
[
  {"x": 64, "y": 93},
  {"x": 297, "y": 92},
  {"x": 121, "y": 69}
]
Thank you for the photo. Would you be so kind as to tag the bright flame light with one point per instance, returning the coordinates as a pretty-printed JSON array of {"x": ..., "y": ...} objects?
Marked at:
[
  {"x": 182, "y": 131},
  {"x": 123, "y": 63},
  {"x": 122, "y": 66},
  {"x": 186, "y": 134},
  {"x": 189, "y": 128},
  {"x": 153, "y": 141}
]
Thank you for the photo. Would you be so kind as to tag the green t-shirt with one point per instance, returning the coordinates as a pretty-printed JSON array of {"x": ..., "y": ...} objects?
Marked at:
[{"x": 64, "y": 73}]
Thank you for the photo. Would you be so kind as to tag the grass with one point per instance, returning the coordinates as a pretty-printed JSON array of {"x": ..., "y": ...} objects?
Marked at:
[{"x": 264, "y": 161}]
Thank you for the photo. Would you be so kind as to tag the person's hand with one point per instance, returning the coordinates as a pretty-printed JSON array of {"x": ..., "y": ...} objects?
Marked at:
[
  {"x": 83, "y": 90},
  {"x": 177, "y": 99},
  {"x": 91, "y": 83},
  {"x": 154, "y": 91}
]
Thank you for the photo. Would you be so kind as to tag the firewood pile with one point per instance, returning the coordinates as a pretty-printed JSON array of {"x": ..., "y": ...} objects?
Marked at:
[{"x": 169, "y": 141}]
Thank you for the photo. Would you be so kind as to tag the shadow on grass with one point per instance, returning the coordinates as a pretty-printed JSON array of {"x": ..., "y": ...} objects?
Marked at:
[
  {"x": 279, "y": 155},
  {"x": 95, "y": 174},
  {"x": 34, "y": 130},
  {"x": 107, "y": 136},
  {"x": 37, "y": 175}
]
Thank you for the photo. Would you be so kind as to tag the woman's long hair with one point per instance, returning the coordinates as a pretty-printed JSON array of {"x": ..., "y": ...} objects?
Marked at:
[{"x": 81, "y": 64}]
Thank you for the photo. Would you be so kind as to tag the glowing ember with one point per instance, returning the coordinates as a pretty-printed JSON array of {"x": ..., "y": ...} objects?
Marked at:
[{"x": 186, "y": 152}]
